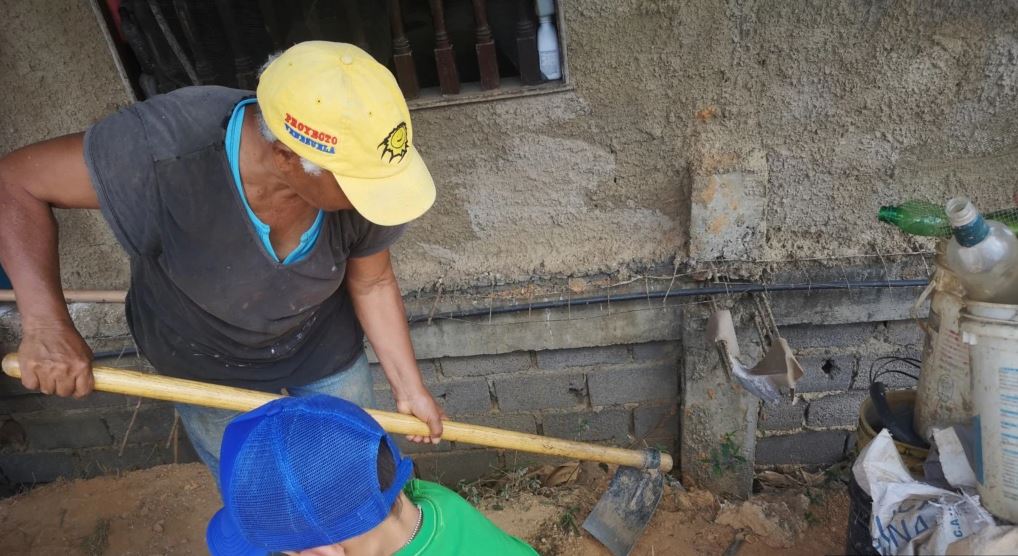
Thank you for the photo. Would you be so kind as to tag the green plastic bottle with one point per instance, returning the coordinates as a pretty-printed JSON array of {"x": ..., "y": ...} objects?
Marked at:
[{"x": 920, "y": 218}]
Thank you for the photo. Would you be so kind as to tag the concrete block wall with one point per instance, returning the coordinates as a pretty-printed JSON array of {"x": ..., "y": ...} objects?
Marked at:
[
  {"x": 818, "y": 425},
  {"x": 586, "y": 373},
  {"x": 624, "y": 395},
  {"x": 43, "y": 438}
]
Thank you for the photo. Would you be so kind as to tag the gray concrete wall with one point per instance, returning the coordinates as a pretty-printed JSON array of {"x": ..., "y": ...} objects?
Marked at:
[
  {"x": 577, "y": 373},
  {"x": 818, "y": 425}
]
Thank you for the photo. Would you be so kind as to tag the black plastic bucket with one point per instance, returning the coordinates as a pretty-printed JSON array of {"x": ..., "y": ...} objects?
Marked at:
[{"x": 858, "y": 539}]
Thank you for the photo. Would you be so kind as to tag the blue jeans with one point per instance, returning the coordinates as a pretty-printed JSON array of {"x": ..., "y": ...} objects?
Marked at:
[{"x": 205, "y": 425}]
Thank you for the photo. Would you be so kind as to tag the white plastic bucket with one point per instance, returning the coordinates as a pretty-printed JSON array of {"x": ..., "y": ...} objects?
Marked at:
[
  {"x": 944, "y": 393},
  {"x": 994, "y": 352}
]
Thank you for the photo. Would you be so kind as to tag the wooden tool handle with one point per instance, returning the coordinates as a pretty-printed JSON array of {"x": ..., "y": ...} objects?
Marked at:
[{"x": 134, "y": 383}]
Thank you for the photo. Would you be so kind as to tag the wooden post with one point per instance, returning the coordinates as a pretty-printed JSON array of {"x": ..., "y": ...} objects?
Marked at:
[
  {"x": 445, "y": 58},
  {"x": 526, "y": 45},
  {"x": 486, "y": 59},
  {"x": 402, "y": 57},
  {"x": 353, "y": 18}
]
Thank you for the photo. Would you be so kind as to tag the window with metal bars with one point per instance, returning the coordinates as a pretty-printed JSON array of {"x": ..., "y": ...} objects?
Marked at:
[{"x": 439, "y": 50}]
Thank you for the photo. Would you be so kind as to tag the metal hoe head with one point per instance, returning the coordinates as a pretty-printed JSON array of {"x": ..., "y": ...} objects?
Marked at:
[{"x": 624, "y": 511}]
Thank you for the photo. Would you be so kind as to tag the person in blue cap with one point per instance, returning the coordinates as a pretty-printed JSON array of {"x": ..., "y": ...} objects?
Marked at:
[{"x": 317, "y": 476}]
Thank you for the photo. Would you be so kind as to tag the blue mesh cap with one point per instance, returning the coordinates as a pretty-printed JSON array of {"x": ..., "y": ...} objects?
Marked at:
[{"x": 298, "y": 473}]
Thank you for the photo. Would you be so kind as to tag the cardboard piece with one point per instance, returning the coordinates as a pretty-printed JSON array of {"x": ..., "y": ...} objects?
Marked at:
[{"x": 779, "y": 364}]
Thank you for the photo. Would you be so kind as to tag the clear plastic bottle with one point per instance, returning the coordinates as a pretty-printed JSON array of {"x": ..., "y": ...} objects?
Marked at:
[{"x": 983, "y": 254}]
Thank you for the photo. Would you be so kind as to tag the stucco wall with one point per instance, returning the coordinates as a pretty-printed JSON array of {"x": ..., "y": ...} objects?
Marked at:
[
  {"x": 753, "y": 129},
  {"x": 59, "y": 77},
  {"x": 762, "y": 130}
]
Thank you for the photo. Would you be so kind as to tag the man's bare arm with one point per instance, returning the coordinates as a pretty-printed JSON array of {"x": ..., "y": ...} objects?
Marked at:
[
  {"x": 379, "y": 307},
  {"x": 53, "y": 356}
]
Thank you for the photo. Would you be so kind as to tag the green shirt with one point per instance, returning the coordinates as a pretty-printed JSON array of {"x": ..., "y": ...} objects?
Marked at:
[{"x": 451, "y": 526}]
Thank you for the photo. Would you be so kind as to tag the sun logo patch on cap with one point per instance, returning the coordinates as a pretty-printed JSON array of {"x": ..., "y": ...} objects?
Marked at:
[{"x": 396, "y": 143}]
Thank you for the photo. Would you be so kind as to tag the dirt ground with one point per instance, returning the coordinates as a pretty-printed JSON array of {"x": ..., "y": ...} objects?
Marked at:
[{"x": 164, "y": 510}]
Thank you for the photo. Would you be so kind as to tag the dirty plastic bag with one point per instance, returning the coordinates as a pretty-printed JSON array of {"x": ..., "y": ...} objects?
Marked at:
[
  {"x": 760, "y": 386},
  {"x": 1001, "y": 540},
  {"x": 909, "y": 516}
]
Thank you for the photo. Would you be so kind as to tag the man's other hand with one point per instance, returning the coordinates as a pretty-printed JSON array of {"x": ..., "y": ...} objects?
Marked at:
[{"x": 424, "y": 407}]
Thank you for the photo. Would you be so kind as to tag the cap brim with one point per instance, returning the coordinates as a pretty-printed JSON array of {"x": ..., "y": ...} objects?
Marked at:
[
  {"x": 224, "y": 539},
  {"x": 393, "y": 200}
]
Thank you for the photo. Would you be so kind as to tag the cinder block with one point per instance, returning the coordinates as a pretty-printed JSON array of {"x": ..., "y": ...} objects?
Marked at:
[
  {"x": 590, "y": 426},
  {"x": 13, "y": 437},
  {"x": 835, "y": 410},
  {"x": 102, "y": 461},
  {"x": 151, "y": 425},
  {"x": 429, "y": 372},
  {"x": 634, "y": 384},
  {"x": 905, "y": 333},
  {"x": 462, "y": 396},
  {"x": 826, "y": 374},
  {"x": 52, "y": 432},
  {"x": 656, "y": 421},
  {"x": 383, "y": 399},
  {"x": 515, "y": 460},
  {"x": 455, "y": 396},
  {"x": 782, "y": 416},
  {"x": 805, "y": 448},
  {"x": 37, "y": 467},
  {"x": 541, "y": 391},
  {"x": 451, "y": 468},
  {"x": 582, "y": 357},
  {"x": 95, "y": 400},
  {"x": 486, "y": 364},
  {"x": 521, "y": 422},
  {"x": 892, "y": 380},
  {"x": 828, "y": 336},
  {"x": 10, "y": 388},
  {"x": 656, "y": 350}
]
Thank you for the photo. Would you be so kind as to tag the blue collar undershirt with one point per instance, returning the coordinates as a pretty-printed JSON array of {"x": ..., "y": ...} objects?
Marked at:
[{"x": 308, "y": 238}]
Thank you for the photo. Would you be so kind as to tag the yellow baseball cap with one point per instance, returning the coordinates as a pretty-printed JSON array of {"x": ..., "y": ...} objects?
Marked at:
[{"x": 334, "y": 105}]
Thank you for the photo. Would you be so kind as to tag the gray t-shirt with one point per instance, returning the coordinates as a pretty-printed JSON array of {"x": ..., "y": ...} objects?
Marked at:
[{"x": 207, "y": 301}]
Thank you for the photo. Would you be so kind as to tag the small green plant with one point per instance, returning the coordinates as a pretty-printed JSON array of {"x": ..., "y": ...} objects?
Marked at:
[
  {"x": 814, "y": 496},
  {"x": 96, "y": 542},
  {"x": 839, "y": 472},
  {"x": 810, "y": 518},
  {"x": 582, "y": 426},
  {"x": 725, "y": 456},
  {"x": 470, "y": 491},
  {"x": 500, "y": 484},
  {"x": 567, "y": 521}
]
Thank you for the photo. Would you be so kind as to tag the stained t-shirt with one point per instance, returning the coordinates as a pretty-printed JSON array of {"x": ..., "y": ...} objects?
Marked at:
[{"x": 206, "y": 301}]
